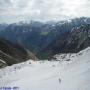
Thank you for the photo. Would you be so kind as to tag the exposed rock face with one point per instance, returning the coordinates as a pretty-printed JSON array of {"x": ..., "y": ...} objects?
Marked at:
[{"x": 11, "y": 53}]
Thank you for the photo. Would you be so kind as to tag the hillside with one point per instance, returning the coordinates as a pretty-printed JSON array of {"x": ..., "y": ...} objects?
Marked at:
[
  {"x": 74, "y": 41},
  {"x": 13, "y": 53},
  {"x": 37, "y": 36},
  {"x": 63, "y": 74}
]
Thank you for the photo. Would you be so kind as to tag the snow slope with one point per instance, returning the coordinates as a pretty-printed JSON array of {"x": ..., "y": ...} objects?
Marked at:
[{"x": 64, "y": 74}]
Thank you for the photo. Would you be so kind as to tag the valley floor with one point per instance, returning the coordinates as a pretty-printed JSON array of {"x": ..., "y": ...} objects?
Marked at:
[{"x": 49, "y": 75}]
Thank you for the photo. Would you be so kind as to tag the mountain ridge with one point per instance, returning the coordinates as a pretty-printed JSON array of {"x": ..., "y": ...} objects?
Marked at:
[
  {"x": 76, "y": 40},
  {"x": 11, "y": 53},
  {"x": 36, "y": 36}
]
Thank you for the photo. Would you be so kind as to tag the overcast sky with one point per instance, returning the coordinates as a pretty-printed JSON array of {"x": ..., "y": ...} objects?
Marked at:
[{"x": 44, "y": 10}]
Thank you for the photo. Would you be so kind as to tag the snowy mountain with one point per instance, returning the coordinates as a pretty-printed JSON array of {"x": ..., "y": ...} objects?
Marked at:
[
  {"x": 68, "y": 72},
  {"x": 70, "y": 42},
  {"x": 38, "y": 36}
]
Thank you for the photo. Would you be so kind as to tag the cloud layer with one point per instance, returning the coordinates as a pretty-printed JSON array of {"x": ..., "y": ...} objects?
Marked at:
[{"x": 16, "y": 10}]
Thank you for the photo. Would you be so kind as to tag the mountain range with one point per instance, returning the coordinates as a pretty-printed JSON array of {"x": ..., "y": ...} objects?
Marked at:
[
  {"x": 70, "y": 42},
  {"x": 42, "y": 40}
]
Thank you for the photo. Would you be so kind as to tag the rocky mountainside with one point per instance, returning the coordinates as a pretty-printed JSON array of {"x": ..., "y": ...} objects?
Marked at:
[
  {"x": 37, "y": 36},
  {"x": 13, "y": 53},
  {"x": 72, "y": 42}
]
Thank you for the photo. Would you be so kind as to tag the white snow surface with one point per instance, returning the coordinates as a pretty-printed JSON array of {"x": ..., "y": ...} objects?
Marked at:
[{"x": 64, "y": 74}]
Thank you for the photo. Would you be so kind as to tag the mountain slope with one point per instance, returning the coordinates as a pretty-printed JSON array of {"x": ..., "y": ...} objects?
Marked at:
[
  {"x": 2, "y": 63},
  {"x": 37, "y": 36},
  {"x": 71, "y": 42},
  {"x": 12, "y": 53},
  {"x": 50, "y": 75}
]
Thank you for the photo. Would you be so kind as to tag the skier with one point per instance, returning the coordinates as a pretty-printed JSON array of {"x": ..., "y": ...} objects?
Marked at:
[{"x": 59, "y": 80}]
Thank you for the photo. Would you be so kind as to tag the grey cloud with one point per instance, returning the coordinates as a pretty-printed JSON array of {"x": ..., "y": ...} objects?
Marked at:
[{"x": 15, "y": 10}]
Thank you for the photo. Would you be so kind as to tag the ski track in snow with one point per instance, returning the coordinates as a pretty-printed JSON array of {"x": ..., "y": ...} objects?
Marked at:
[{"x": 50, "y": 75}]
